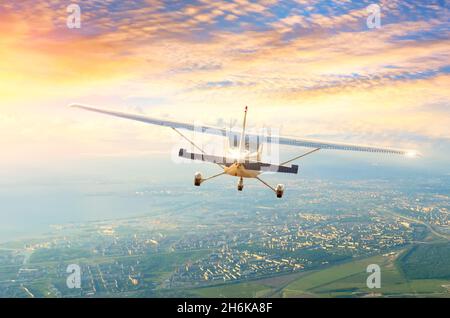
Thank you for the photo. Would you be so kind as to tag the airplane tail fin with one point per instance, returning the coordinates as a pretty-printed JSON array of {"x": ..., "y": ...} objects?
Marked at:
[
  {"x": 242, "y": 141},
  {"x": 259, "y": 154}
]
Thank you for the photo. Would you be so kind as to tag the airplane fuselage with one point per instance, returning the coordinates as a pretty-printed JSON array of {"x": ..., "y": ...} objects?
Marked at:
[
  {"x": 239, "y": 158},
  {"x": 238, "y": 170}
]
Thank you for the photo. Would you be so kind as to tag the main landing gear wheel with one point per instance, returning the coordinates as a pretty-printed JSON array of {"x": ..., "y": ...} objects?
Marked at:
[
  {"x": 279, "y": 190},
  {"x": 197, "y": 179}
]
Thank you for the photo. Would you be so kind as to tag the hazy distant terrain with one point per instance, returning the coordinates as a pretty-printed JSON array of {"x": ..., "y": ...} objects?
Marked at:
[{"x": 175, "y": 240}]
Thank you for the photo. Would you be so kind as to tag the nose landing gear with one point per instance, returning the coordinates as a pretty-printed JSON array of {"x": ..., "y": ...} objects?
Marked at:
[{"x": 240, "y": 185}]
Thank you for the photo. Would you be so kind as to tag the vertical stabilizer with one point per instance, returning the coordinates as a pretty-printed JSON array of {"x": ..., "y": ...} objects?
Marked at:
[{"x": 242, "y": 141}]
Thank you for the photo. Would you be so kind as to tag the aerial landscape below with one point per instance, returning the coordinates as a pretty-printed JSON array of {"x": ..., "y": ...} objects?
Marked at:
[{"x": 255, "y": 248}]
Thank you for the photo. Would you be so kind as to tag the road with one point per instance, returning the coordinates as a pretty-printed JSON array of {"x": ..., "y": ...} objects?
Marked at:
[{"x": 432, "y": 230}]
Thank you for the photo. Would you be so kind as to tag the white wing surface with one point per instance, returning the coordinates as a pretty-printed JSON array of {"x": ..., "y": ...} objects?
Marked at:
[{"x": 291, "y": 141}]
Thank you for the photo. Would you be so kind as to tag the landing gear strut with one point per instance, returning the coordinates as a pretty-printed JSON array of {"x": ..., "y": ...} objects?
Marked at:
[
  {"x": 198, "y": 178},
  {"x": 279, "y": 189}
]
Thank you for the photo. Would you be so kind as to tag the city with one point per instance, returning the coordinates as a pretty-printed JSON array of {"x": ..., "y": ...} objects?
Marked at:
[{"x": 155, "y": 256}]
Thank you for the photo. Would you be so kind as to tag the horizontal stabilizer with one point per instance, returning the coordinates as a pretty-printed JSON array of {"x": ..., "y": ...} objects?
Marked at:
[
  {"x": 202, "y": 157},
  {"x": 249, "y": 165}
]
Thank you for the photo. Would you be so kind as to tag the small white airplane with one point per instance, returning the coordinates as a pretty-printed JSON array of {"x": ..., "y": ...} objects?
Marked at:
[{"x": 240, "y": 161}]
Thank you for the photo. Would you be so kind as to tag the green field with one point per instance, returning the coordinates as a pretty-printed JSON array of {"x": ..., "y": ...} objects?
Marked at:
[
  {"x": 427, "y": 261},
  {"x": 349, "y": 280},
  {"x": 344, "y": 280},
  {"x": 239, "y": 290}
]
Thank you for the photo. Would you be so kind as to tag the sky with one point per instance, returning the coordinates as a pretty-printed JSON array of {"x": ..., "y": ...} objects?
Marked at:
[{"x": 310, "y": 68}]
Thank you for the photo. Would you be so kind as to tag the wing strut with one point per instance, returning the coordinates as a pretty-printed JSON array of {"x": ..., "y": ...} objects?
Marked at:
[
  {"x": 193, "y": 144},
  {"x": 214, "y": 176},
  {"x": 266, "y": 184},
  {"x": 301, "y": 156}
]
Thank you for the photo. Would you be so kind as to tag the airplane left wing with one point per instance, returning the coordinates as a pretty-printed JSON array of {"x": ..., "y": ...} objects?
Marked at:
[{"x": 144, "y": 119}]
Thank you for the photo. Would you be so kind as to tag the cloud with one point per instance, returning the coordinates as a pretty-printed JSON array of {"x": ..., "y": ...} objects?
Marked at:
[{"x": 311, "y": 67}]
